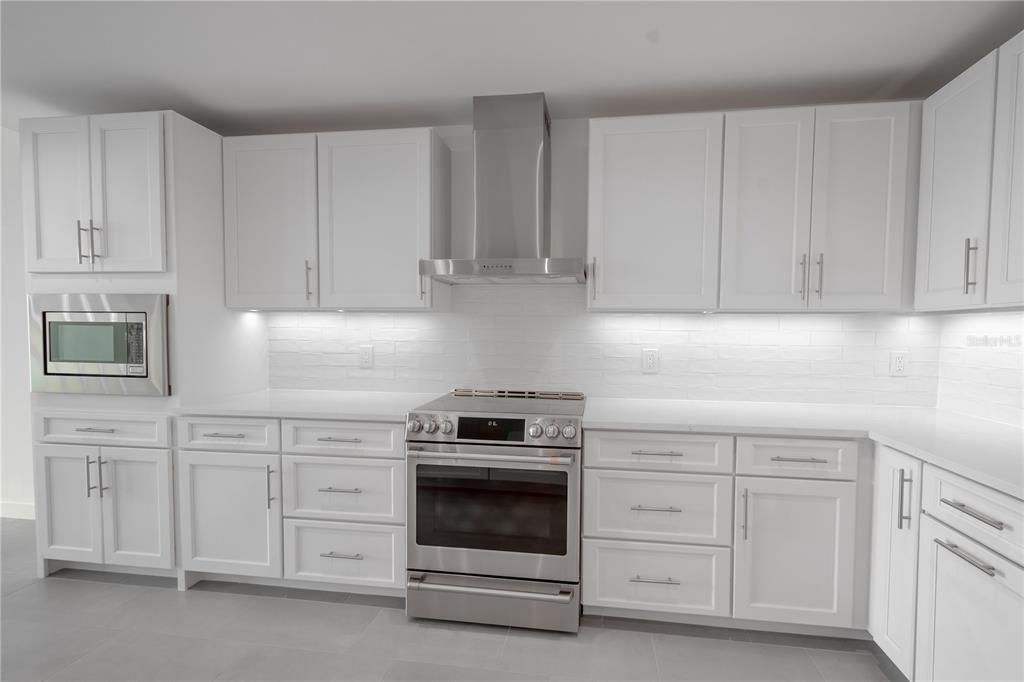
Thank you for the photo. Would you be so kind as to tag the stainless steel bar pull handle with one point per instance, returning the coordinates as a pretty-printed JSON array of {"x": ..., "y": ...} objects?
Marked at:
[
  {"x": 309, "y": 289},
  {"x": 977, "y": 563},
  {"x": 93, "y": 429},
  {"x": 335, "y": 439},
  {"x": 593, "y": 279},
  {"x": 78, "y": 239},
  {"x": 821, "y": 276},
  {"x": 562, "y": 597},
  {"x": 423, "y": 287},
  {"x": 92, "y": 241},
  {"x": 217, "y": 434},
  {"x": 339, "y": 555},
  {"x": 330, "y": 489},
  {"x": 657, "y": 581},
  {"x": 269, "y": 498},
  {"x": 89, "y": 487},
  {"x": 900, "y": 516},
  {"x": 746, "y": 509},
  {"x": 659, "y": 453},
  {"x": 973, "y": 513},
  {"x": 806, "y": 460},
  {"x": 99, "y": 469},
  {"x": 644, "y": 507},
  {"x": 968, "y": 282},
  {"x": 803, "y": 277}
]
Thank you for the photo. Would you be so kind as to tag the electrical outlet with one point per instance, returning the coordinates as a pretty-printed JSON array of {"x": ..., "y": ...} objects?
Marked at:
[
  {"x": 898, "y": 364},
  {"x": 650, "y": 361},
  {"x": 366, "y": 356}
]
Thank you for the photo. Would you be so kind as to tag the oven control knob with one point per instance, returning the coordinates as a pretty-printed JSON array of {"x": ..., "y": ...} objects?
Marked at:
[
  {"x": 551, "y": 431},
  {"x": 414, "y": 426},
  {"x": 430, "y": 427},
  {"x": 447, "y": 427},
  {"x": 535, "y": 430},
  {"x": 568, "y": 431}
]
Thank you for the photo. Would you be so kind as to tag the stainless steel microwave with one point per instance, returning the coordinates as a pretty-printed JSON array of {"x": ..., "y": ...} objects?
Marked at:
[{"x": 114, "y": 344}]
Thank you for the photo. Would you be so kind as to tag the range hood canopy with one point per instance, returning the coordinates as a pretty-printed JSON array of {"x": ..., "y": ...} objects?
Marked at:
[{"x": 511, "y": 234}]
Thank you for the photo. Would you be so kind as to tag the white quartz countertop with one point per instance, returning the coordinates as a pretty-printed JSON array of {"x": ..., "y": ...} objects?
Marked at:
[
  {"x": 366, "y": 406},
  {"x": 988, "y": 452}
]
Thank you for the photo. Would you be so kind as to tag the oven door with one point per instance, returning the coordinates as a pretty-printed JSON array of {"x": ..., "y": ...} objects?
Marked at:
[
  {"x": 108, "y": 344},
  {"x": 494, "y": 511}
]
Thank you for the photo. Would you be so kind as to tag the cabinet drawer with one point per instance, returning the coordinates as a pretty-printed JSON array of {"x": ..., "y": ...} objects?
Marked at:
[
  {"x": 215, "y": 433},
  {"x": 102, "y": 429},
  {"x": 654, "y": 577},
  {"x": 657, "y": 507},
  {"x": 797, "y": 458},
  {"x": 354, "y": 439},
  {"x": 983, "y": 514},
  {"x": 352, "y": 553},
  {"x": 344, "y": 489},
  {"x": 658, "y": 451}
]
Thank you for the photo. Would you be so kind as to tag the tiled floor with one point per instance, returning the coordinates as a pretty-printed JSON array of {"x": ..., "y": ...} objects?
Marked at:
[{"x": 95, "y": 626}]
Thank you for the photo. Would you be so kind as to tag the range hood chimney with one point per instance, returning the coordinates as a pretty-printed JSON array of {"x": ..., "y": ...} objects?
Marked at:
[{"x": 511, "y": 235}]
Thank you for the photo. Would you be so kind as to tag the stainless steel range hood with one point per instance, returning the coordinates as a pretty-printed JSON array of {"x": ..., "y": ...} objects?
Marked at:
[{"x": 511, "y": 235}]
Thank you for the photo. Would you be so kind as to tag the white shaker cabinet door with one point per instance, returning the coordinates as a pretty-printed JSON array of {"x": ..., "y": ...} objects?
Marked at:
[
  {"x": 270, "y": 240},
  {"x": 68, "y": 515},
  {"x": 766, "y": 209},
  {"x": 126, "y": 154},
  {"x": 794, "y": 551},
  {"x": 1006, "y": 236},
  {"x": 859, "y": 206},
  {"x": 375, "y": 217},
  {"x": 55, "y": 193},
  {"x": 654, "y": 205},
  {"x": 135, "y": 490},
  {"x": 956, "y": 172},
  {"x": 230, "y": 512},
  {"x": 894, "y": 533}
]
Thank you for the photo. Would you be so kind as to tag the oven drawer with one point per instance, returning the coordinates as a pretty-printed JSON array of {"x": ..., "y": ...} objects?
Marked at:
[
  {"x": 656, "y": 577},
  {"x": 658, "y": 451},
  {"x": 147, "y": 431},
  {"x": 344, "y": 489},
  {"x": 348, "y": 553},
  {"x": 231, "y": 434},
  {"x": 354, "y": 439},
  {"x": 797, "y": 458},
  {"x": 657, "y": 507},
  {"x": 983, "y": 514}
]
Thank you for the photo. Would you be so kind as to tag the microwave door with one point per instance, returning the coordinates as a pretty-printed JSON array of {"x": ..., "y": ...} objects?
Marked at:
[{"x": 87, "y": 343}]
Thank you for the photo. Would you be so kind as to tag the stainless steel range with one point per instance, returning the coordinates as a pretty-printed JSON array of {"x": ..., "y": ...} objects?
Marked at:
[{"x": 494, "y": 508}]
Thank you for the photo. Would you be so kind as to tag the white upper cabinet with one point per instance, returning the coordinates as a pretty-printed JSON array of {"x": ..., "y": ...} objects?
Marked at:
[
  {"x": 654, "y": 206},
  {"x": 859, "y": 206},
  {"x": 766, "y": 209},
  {"x": 270, "y": 228},
  {"x": 1006, "y": 235},
  {"x": 956, "y": 174},
  {"x": 376, "y": 207}
]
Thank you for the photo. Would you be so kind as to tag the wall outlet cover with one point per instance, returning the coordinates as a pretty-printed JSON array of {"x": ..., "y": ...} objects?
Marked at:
[
  {"x": 899, "y": 365},
  {"x": 650, "y": 361},
  {"x": 366, "y": 356}
]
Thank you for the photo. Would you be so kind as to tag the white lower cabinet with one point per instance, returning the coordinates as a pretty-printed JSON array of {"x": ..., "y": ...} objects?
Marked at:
[
  {"x": 794, "y": 551},
  {"x": 68, "y": 522},
  {"x": 351, "y": 553},
  {"x": 656, "y": 577},
  {"x": 970, "y": 609},
  {"x": 895, "y": 522},
  {"x": 230, "y": 511},
  {"x": 344, "y": 489}
]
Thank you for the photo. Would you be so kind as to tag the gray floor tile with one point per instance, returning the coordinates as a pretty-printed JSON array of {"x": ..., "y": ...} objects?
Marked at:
[
  {"x": 295, "y": 624},
  {"x": 176, "y": 613},
  {"x": 150, "y": 656},
  {"x": 34, "y": 651},
  {"x": 423, "y": 672},
  {"x": 592, "y": 654},
  {"x": 275, "y": 663},
  {"x": 11, "y": 582},
  {"x": 430, "y": 641},
  {"x": 847, "y": 666},
  {"x": 689, "y": 658},
  {"x": 71, "y": 603}
]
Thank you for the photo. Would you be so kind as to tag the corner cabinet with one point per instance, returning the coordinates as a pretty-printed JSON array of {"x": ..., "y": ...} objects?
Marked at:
[
  {"x": 93, "y": 193},
  {"x": 654, "y": 204}
]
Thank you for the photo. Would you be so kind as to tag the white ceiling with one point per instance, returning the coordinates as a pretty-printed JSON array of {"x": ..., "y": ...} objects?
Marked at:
[{"x": 250, "y": 67}]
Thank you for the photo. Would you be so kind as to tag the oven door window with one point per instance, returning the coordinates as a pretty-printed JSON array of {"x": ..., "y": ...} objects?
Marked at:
[
  {"x": 88, "y": 342},
  {"x": 490, "y": 508}
]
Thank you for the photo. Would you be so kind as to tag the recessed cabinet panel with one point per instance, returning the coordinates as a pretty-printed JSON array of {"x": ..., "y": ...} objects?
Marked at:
[
  {"x": 346, "y": 489},
  {"x": 349, "y": 553},
  {"x": 136, "y": 499},
  {"x": 68, "y": 521}
]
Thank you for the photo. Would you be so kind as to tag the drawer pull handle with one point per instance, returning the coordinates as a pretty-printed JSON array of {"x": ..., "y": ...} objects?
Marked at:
[
  {"x": 978, "y": 564},
  {"x": 216, "y": 434},
  {"x": 808, "y": 460},
  {"x": 657, "y": 581},
  {"x": 974, "y": 513},
  {"x": 659, "y": 453},
  {"x": 335, "y": 439},
  {"x": 644, "y": 507},
  {"x": 338, "y": 555},
  {"x": 329, "y": 489},
  {"x": 93, "y": 429}
]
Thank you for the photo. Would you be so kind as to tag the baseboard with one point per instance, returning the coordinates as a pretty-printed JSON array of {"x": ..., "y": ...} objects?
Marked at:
[{"x": 18, "y": 510}]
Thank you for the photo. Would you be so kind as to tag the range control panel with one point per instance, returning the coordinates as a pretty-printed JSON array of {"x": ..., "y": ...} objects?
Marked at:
[{"x": 511, "y": 429}]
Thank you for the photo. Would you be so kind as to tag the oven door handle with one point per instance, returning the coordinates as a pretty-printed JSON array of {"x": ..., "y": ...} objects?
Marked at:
[
  {"x": 477, "y": 457},
  {"x": 562, "y": 597}
]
